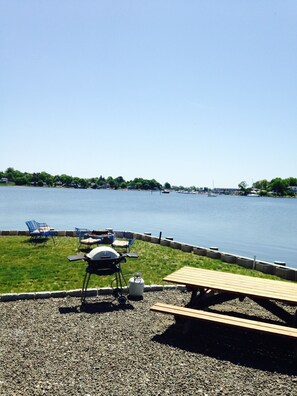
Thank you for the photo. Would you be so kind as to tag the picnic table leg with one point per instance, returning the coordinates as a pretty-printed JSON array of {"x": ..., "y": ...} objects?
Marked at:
[
  {"x": 277, "y": 310},
  {"x": 203, "y": 298},
  {"x": 184, "y": 322},
  {"x": 294, "y": 341},
  {"x": 198, "y": 294},
  {"x": 194, "y": 292}
]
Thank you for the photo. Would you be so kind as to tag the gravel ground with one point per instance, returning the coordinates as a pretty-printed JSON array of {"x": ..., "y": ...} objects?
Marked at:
[{"x": 51, "y": 347}]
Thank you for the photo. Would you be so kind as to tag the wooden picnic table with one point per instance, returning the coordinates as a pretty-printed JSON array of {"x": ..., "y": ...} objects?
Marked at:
[
  {"x": 240, "y": 284},
  {"x": 211, "y": 287}
]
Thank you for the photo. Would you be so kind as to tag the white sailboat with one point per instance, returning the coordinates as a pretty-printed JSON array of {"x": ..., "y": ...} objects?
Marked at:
[{"x": 210, "y": 192}]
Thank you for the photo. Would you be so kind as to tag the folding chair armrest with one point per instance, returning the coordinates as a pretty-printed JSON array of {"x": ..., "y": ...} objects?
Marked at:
[{"x": 40, "y": 225}]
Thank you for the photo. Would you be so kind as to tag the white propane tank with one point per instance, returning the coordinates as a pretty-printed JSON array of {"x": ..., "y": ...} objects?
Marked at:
[{"x": 136, "y": 286}]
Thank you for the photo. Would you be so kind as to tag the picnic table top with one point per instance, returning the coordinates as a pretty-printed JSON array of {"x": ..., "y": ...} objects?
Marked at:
[{"x": 235, "y": 283}]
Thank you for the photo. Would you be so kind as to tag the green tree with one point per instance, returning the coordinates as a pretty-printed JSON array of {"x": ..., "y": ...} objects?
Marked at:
[
  {"x": 291, "y": 181},
  {"x": 46, "y": 178},
  {"x": 42, "y": 178},
  {"x": 110, "y": 181},
  {"x": 84, "y": 183},
  {"x": 154, "y": 185},
  {"x": 243, "y": 187},
  {"x": 21, "y": 180},
  {"x": 13, "y": 174},
  {"x": 66, "y": 180},
  {"x": 261, "y": 184},
  {"x": 278, "y": 186}
]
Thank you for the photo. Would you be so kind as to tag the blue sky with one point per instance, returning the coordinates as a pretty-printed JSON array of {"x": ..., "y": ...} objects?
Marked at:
[{"x": 190, "y": 92}]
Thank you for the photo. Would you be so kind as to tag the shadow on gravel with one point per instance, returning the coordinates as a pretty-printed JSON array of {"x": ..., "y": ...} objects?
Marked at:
[
  {"x": 95, "y": 308},
  {"x": 263, "y": 352}
]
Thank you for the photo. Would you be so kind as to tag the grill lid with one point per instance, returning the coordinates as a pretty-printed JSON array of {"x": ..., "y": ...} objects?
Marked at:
[{"x": 103, "y": 253}]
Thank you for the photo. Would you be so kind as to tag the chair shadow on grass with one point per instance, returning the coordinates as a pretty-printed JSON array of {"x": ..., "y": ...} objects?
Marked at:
[
  {"x": 246, "y": 348},
  {"x": 37, "y": 241},
  {"x": 96, "y": 308}
]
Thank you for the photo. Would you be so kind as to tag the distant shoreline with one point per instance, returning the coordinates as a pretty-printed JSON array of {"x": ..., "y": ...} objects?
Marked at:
[{"x": 142, "y": 190}]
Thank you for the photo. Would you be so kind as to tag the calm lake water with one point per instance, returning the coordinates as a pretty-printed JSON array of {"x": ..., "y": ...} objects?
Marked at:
[{"x": 249, "y": 226}]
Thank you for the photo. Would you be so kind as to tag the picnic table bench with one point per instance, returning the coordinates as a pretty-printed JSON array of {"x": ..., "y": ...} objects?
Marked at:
[{"x": 210, "y": 287}]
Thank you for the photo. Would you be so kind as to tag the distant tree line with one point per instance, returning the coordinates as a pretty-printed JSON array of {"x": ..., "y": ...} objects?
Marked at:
[
  {"x": 42, "y": 179},
  {"x": 276, "y": 187}
]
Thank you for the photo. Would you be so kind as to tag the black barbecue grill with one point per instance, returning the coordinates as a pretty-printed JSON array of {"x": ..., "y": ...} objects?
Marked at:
[{"x": 104, "y": 261}]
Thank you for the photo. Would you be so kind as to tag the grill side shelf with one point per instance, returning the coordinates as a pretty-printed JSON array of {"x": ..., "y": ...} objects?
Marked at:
[{"x": 76, "y": 258}]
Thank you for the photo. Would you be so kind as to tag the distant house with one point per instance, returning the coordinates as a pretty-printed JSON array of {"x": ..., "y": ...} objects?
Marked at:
[
  {"x": 3, "y": 180},
  {"x": 106, "y": 185},
  {"x": 293, "y": 188}
]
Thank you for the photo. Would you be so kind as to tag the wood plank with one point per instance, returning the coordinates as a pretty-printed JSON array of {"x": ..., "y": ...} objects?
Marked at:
[
  {"x": 225, "y": 319},
  {"x": 241, "y": 284}
]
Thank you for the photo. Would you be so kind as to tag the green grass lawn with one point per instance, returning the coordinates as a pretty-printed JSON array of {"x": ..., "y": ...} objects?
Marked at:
[{"x": 32, "y": 267}]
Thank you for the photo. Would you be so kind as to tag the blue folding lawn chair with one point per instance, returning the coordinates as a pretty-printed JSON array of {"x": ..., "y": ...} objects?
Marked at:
[{"x": 40, "y": 231}]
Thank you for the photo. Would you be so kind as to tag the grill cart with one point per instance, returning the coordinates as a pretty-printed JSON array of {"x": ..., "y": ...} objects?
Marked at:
[{"x": 104, "y": 261}]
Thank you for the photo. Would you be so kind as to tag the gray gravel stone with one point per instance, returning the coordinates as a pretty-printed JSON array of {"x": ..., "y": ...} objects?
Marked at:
[{"x": 52, "y": 347}]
